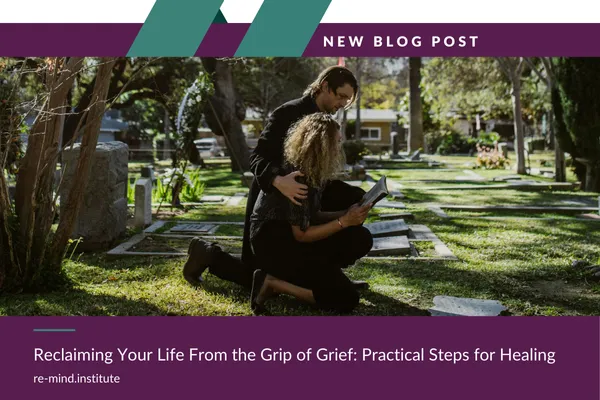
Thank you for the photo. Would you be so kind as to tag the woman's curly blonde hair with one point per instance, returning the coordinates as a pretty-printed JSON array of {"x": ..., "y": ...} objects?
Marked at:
[{"x": 312, "y": 147}]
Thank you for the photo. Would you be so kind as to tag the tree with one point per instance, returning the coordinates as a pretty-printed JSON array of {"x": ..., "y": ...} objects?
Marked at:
[
  {"x": 465, "y": 86},
  {"x": 30, "y": 254},
  {"x": 549, "y": 78},
  {"x": 415, "y": 136},
  {"x": 225, "y": 111},
  {"x": 266, "y": 83},
  {"x": 513, "y": 68},
  {"x": 577, "y": 110}
]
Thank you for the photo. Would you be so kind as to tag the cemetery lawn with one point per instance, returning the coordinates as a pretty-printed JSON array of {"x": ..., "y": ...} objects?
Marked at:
[{"x": 523, "y": 263}]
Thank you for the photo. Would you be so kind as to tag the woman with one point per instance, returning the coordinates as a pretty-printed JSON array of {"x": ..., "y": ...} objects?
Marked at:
[{"x": 301, "y": 251}]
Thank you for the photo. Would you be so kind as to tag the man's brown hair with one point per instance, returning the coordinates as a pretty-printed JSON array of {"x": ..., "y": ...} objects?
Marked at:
[{"x": 336, "y": 77}]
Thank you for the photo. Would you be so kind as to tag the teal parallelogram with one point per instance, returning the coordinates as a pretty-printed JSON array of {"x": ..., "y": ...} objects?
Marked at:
[
  {"x": 282, "y": 28},
  {"x": 175, "y": 28}
]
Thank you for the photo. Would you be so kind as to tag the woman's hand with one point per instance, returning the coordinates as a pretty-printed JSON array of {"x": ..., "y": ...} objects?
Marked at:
[{"x": 356, "y": 215}]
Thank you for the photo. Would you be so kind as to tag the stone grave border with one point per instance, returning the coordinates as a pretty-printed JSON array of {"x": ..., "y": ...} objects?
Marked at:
[
  {"x": 518, "y": 185},
  {"x": 438, "y": 209},
  {"x": 417, "y": 233},
  {"x": 227, "y": 201}
]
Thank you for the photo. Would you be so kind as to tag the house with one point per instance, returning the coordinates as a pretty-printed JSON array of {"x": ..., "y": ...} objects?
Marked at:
[{"x": 376, "y": 127}]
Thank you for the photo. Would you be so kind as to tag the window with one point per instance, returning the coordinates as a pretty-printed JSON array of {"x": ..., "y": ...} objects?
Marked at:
[{"x": 370, "y": 133}]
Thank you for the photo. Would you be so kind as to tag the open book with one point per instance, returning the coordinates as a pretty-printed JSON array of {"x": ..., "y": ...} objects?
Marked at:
[{"x": 376, "y": 194}]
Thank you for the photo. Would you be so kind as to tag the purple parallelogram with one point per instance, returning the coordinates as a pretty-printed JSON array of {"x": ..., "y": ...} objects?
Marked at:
[{"x": 222, "y": 40}]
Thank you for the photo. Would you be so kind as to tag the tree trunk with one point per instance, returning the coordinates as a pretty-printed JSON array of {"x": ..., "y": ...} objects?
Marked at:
[
  {"x": 225, "y": 112},
  {"x": 519, "y": 135},
  {"x": 560, "y": 167},
  {"x": 344, "y": 123},
  {"x": 167, "y": 145},
  {"x": 34, "y": 194},
  {"x": 84, "y": 163},
  {"x": 357, "y": 123},
  {"x": 415, "y": 135}
]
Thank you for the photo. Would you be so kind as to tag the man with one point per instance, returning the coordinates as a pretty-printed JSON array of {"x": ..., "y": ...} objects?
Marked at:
[{"x": 334, "y": 89}]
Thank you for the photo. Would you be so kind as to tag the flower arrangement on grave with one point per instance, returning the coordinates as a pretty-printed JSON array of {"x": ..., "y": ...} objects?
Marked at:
[{"x": 490, "y": 158}]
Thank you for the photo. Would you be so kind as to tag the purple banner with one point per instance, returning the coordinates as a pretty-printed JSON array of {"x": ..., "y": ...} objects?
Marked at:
[
  {"x": 62, "y": 40},
  {"x": 297, "y": 358},
  {"x": 329, "y": 40},
  {"x": 454, "y": 40}
]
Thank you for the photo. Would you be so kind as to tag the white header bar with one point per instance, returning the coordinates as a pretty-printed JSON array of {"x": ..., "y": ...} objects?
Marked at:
[{"x": 340, "y": 11}]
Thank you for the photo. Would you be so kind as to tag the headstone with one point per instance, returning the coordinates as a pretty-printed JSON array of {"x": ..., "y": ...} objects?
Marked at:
[
  {"x": 192, "y": 228},
  {"x": 390, "y": 204},
  {"x": 103, "y": 215},
  {"x": 508, "y": 178},
  {"x": 57, "y": 177},
  {"x": 406, "y": 215},
  {"x": 236, "y": 199},
  {"x": 143, "y": 203},
  {"x": 354, "y": 183},
  {"x": 247, "y": 179},
  {"x": 503, "y": 148},
  {"x": 358, "y": 172},
  {"x": 148, "y": 172},
  {"x": 396, "y": 195},
  {"x": 212, "y": 199},
  {"x": 390, "y": 246},
  {"x": 458, "y": 306},
  {"x": 387, "y": 228}
]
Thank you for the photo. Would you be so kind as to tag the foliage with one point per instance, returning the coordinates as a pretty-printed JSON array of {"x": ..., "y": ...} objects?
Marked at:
[
  {"x": 488, "y": 139},
  {"x": 192, "y": 187},
  {"x": 146, "y": 119},
  {"x": 471, "y": 86},
  {"x": 450, "y": 142},
  {"x": 490, "y": 158},
  {"x": 577, "y": 109},
  {"x": 267, "y": 82},
  {"x": 189, "y": 119},
  {"x": 354, "y": 151}
]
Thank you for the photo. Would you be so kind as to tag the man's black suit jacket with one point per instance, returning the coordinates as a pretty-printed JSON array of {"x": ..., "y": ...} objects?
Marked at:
[{"x": 267, "y": 158}]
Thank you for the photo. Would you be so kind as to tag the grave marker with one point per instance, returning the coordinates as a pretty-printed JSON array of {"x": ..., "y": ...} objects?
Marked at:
[
  {"x": 458, "y": 306},
  {"x": 390, "y": 246},
  {"x": 387, "y": 228}
]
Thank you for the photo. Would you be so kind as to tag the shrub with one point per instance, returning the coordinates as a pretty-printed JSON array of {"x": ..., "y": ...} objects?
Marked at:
[
  {"x": 455, "y": 142},
  {"x": 488, "y": 139},
  {"x": 354, "y": 151}
]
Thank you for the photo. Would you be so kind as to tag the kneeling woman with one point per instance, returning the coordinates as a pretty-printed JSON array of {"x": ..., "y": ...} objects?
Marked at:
[{"x": 301, "y": 251}]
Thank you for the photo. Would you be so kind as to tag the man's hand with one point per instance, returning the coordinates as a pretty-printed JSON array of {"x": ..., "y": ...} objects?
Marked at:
[
  {"x": 290, "y": 188},
  {"x": 356, "y": 215}
]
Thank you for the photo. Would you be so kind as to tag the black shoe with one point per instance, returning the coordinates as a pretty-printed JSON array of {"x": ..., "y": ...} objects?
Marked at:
[
  {"x": 360, "y": 285},
  {"x": 257, "y": 284},
  {"x": 200, "y": 257}
]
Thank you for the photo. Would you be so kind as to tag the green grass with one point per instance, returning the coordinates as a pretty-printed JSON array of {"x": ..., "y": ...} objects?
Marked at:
[{"x": 525, "y": 264}]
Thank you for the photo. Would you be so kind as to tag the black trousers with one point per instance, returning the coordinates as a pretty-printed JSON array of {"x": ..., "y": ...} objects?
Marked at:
[
  {"x": 316, "y": 266},
  {"x": 337, "y": 196}
]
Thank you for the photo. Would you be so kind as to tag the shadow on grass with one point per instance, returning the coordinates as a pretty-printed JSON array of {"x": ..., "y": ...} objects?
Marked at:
[
  {"x": 75, "y": 303},
  {"x": 373, "y": 303},
  {"x": 444, "y": 279}
]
